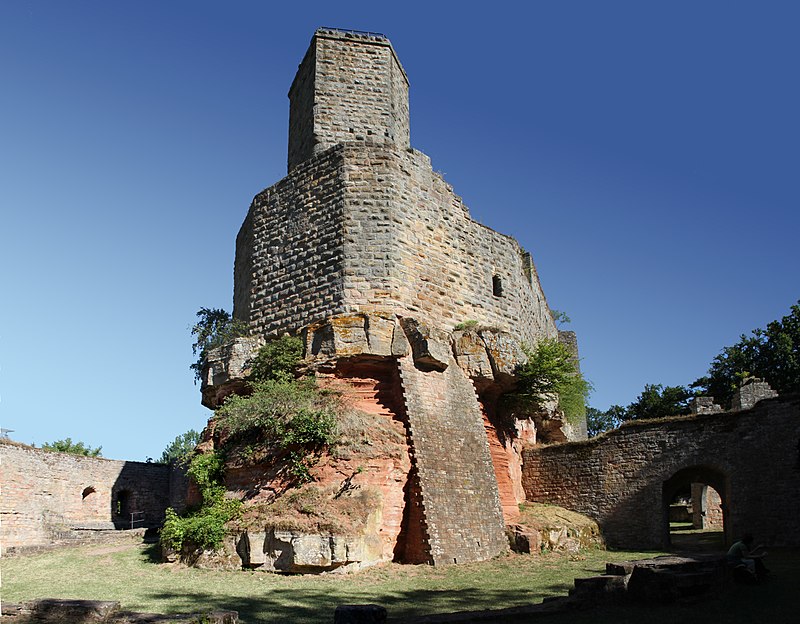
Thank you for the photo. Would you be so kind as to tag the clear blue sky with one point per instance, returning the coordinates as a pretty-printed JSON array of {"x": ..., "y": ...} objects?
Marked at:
[{"x": 645, "y": 153}]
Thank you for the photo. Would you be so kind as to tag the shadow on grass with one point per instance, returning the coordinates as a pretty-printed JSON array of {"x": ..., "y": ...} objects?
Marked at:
[
  {"x": 774, "y": 601},
  {"x": 316, "y": 605}
]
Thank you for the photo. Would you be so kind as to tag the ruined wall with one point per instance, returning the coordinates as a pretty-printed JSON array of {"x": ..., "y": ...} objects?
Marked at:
[
  {"x": 46, "y": 493},
  {"x": 368, "y": 228},
  {"x": 412, "y": 248},
  {"x": 623, "y": 478},
  {"x": 349, "y": 87},
  {"x": 460, "y": 500},
  {"x": 288, "y": 268},
  {"x": 363, "y": 224}
]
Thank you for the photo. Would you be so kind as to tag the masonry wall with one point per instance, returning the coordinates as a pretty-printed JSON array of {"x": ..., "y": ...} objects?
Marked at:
[
  {"x": 622, "y": 479},
  {"x": 45, "y": 493},
  {"x": 412, "y": 248},
  {"x": 459, "y": 495},
  {"x": 349, "y": 87},
  {"x": 288, "y": 268}
]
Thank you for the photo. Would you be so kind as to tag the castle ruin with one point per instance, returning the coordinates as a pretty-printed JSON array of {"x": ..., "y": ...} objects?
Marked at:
[
  {"x": 417, "y": 315},
  {"x": 368, "y": 254}
]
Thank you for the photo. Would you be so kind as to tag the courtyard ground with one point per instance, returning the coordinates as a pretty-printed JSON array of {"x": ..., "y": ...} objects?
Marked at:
[{"x": 128, "y": 573}]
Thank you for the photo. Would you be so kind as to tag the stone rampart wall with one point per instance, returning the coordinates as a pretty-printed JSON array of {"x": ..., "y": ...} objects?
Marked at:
[
  {"x": 626, "y": 478},
  {"x": 45, "y": 493},
  {"x": 460, "y": 500}
]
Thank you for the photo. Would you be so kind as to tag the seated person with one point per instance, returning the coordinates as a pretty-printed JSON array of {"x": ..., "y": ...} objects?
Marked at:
[{"x": 743, "y": 555}]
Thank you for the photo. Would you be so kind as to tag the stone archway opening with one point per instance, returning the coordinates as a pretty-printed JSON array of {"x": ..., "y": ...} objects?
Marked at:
[{"x": 695, "y": 510}]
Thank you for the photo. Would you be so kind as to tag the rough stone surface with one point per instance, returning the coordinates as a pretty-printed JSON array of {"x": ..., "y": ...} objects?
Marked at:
[
  {"x": 227, "y": 368},
  {"x": 295, "y": 551},
  {"x": 460, "y": 499},
  {"x": 626, "y": 478},
  {"x": 703, "y": 405},
  {"x": 370, "y": 254},
  {"x": 350, "y": 86},
  {"x": 46, "y": 494},
  {"x": 363, "y": 224},
  {"x": 524, "y": 539},
  {"x": 751, "y": 392}
]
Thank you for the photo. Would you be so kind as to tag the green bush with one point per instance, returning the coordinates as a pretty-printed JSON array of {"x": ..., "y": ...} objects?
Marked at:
[
  {"x": 550, "y": 372},
  {"x": 293, "y": 417},
  {"x": 204, "y": 528},
  {"x": 74, "y": 448},
  {"x": 277, "y": 359},
  {"x": 466, "y": 325},
  {"x": 181, "y": 448}
]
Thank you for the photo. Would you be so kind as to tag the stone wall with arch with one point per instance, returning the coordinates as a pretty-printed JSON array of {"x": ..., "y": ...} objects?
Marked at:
[
  {"x": 626, "y": 478},
  {"x": 46, "y": 494}
]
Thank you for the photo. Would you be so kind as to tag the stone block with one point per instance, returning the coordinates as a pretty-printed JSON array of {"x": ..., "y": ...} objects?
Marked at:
[
  {"x": 76, "y": 611},
  {"x": 471, "y": 355},
  {"x": 524, "y": 539},
  {"x": 430, "y": 348},
  {"x": 504, "y": 352}
]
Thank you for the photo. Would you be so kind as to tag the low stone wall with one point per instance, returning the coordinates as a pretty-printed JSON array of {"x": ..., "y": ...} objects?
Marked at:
[
  {"x": 45, "y": 494},
  {"x": 626, "y": 478}
]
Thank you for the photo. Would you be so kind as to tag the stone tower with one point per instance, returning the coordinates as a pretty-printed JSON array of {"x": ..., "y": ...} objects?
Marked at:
[
  {"x": 363, "y": 224},
  {"x": 349, "y": 87},
  {"x": 368, "y": 254}
]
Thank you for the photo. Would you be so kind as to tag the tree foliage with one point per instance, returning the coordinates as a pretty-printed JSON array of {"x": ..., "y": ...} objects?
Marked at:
[
  {"x": 202, "y": 528},
  {"x": 75, "y": 448},
  {"x": 181, "y": 448},
  {"x": 598, "y": 421},
  {"x": 772, "y": 354},
  {"x": 214, "y": 328},
  {"x": 277, "y": 360},
  {"x": 560, "y": 317},
  {"x": 292, "y": 418},
  {"x": 655, "y": 401},
  {"x": 552, "y": 372}
]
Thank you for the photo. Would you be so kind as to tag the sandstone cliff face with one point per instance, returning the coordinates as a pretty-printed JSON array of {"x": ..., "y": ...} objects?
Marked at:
[{"x": 420, "y": 434}]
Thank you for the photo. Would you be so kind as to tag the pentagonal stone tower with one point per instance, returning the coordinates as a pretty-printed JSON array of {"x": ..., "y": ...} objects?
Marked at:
[
  {"x": 363, "y": 224},
  {"x": 368, "y": 253}
]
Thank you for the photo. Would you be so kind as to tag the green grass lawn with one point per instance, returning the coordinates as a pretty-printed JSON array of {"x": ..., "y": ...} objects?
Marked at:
[{"x": 128, "y": 574}]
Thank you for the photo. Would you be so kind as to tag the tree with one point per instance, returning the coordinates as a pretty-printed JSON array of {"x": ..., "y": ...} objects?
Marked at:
[
  {"x": 560, "y": 317},
  {"x": 598, "y": 421},
  {"x": 552, "y": 372},
  {"x": 214, "y": 328},
  {"x": 277, "y": 359},
  {"x": 772, "y": 354},
  {"x": 181, "y": 448},
  {"x": 657, "y": 401},
  {"x": 75, "y": 448}
]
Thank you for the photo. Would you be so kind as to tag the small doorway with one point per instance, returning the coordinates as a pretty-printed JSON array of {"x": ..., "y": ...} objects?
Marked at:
[
  {"x": 695, "y": 510},
  {"x": 121, "y": 508}
]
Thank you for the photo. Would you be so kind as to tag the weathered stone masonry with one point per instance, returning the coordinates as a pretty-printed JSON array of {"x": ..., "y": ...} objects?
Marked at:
[
  {"x": 363, "y": 224},
  {"x": 367, "y": 252},
  {"x": 46, "y": 494},
  {"x": 626, "y": 478}
]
